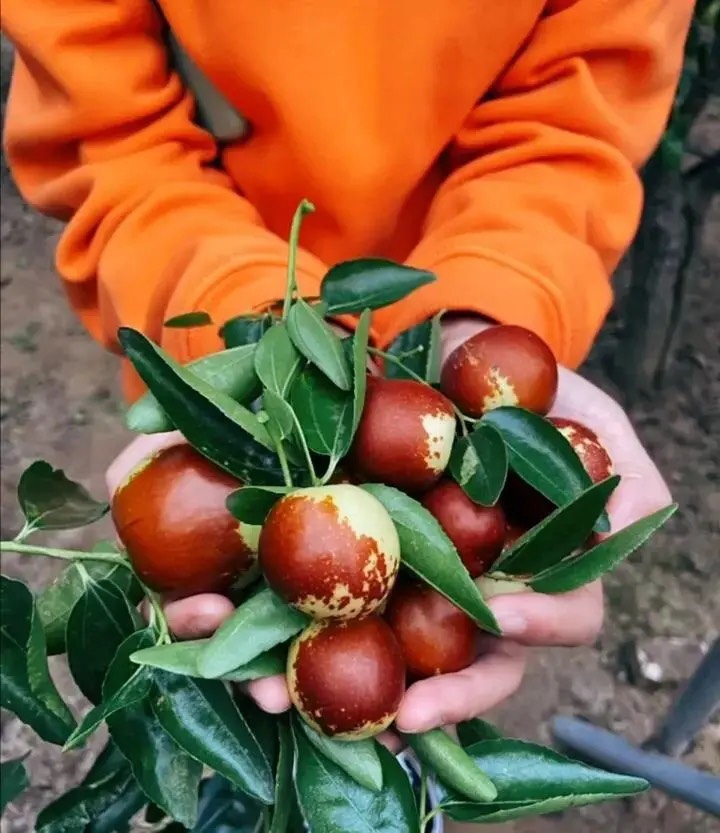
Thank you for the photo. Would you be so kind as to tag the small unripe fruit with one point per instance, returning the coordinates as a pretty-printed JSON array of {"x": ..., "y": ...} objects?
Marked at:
[
  {"x": 405, "y": 435},
  {"x": 171, "y": 516},
  {"x": 347, "y": 678},
  {"x": 503, "y": 365},
  {"x": 332, "y": 552},
  {"x": 587, "y": 446},
  {"x": 478, "y": 532},
  {"x": 435, "y": 636}
]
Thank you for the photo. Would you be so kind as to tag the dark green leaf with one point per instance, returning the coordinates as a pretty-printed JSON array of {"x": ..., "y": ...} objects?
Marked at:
[
  {"x": 415, "y": 349},
  {"x": 189, "y": 319},
  {"x": 245, "y": 329},
  {"x": 558, "y": 535},
  {"x": 106, "y": 800},
  {"x": 167, "y": 776},
  {"x": 26, "y": 688},
  {"x": 49, "y": 500},
  {"x": 427, "y": 551},
  {"x": 58, "y": 599},
  {"x": 212, "y": 422},
  {"x": 251, "y": 504},
  {"x": 13, "y": 781},
  {"x": 359, "y": 343},
  {"x": 100, "y": 621},
  {"x": 475, "y": 730},
  {"x": 542, "y": 456},
  {"x": 526, "y": 772},
  {"x": 331, "y": 801},
  {"x": 479, "y": 463},
  {"x": 324, "y": 412},
  {"x": 280, "y": 413},
  {"x": 369, "y": 283},
  {"x": 201, "y": 717},
  {"x": 224, "y": 809},
  {"x": 590, "y": 565},
  {"x": 230, "y": 371},
  {"x": 259, "y": 624},
  {"x": 283, "y": 780},
  {"x": 277, "y": 362},
  {"x": 359, "y": 759},
  {"x": 319, "y": 344}
]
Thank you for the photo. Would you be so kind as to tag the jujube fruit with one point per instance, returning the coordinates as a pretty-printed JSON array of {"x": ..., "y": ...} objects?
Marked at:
[
  {"x": 347, "y": 678},
  {"x": 478, "y": 532},
  {"x": 503, "y": 365},
  {"x": 587, "y": 446},
  {"x": 435, "y": 636},
  {"x": 405, "y": 434},
  {"x": 171, "y": 516},
  {"x": 332, "y": 552}
]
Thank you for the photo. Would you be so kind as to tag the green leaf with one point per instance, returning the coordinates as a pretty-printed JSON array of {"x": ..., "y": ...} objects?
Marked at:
[
  {"x": 201, "y": 717},
  {"x": 13, "y": 781},
  {"x": 58, "y": 599},
  {"x": 428, "y": 552},
  {"x": 419, "y": 350},
  {"x": 280, "y": 413},
  {"x": 100, "y": 621},
  {"x": 332, "y": 801},
  {"x": 359, "y": 759},
  {"x": 230, "y": 371},
  {"x": 26, "y": 688},
  {"x": 104, "y": 802},
  {"x": 558, "y": 535},
  {"x": 259, "y": 624},
  {"x": 283, "y": 780},
  {"x": 189, "y": 320},
  {"x": 369, "y": 283},
  {"x": 224, "y": 809},
  {"x": 319, "y": 344},
  {"x": 251, "y": 504},
  {"x": 217, "y": 426},
  {"x": 542, "y": 456},
  {"x": 475, "y": 730},
  {"x": 359, "y": 342},
  {"x": 49, "y": 500},
  {"x": 266, "y": 664},
  {"x": 479, "y": 463},
  {"x": 590, "y": 565},
  {"x": 277, "y": 361},
  {"x": 245, "y": 329},
  {"x": 167, "y": 776},
  {"x": 324, "y": 412},
  {"x": 527, "y": 776}
]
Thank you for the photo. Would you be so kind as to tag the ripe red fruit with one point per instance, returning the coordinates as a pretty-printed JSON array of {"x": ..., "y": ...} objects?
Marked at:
[
  {"x": 347, "y": 678},
  {"x": 587, "y": 446},
  {"x": 405, "y": 435},
  {"x": 478, "y": 532},
  {"x": 171, "y": 516},
  {"x": 503, "y": 365},
  {"x": 332, "y": 552},
  {"x": 435, "y": 636}
]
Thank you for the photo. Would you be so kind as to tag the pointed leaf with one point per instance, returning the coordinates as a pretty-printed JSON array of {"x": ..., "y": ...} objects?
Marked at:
[
  {"x": 251, "y": 504},
  {"x": 324, "y": 412},
  {"x": 479, "y": 463},
  {"x": 427, "y": 551},
  {"x": 419, "y": 350},
  {"x": 369, "y": 283},
  {"x": 259, "y": 624},
  {"x": 245, "y": 329},
  {"x": 50, "y": 500},
  {"x": 569, "y": 575},
  {"x": 283, "y": 780},
  {"x": 277, "y": 361},
  {"x": 475, "y": 730},
  {"x": 558, "y": 535},
  {"x": 26, "y": 689},
  {"x": 280, "y": 414},
  {"x": 359, "y": 342},
  {"x": 13, "y": 781},
  {"x": 230, "y": 371},
  {"x": 199, "y": 318},
  {"x": 319, "y": 344}
]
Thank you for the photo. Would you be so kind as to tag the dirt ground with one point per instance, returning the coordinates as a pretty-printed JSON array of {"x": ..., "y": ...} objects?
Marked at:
[{"x": 60, "y": 402}]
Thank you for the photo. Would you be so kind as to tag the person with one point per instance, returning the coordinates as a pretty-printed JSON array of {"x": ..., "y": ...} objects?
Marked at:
[{"x": 494, "y": 144}]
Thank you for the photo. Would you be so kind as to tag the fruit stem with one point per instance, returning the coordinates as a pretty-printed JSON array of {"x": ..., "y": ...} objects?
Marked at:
[
  {"x": 157, "y": 616},
  {"x": 306, "y": 451},
  {"x": 394, "y": 360},
  {"x": 67, "y": 555},
  {"x": 304, "y": 208},
  {"x": 428, "y": 817},
  {"x": 423, "y": 795},
  {"x": 282, "y": 458}
]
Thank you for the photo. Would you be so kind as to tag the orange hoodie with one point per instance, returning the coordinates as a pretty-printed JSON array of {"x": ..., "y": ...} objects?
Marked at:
[{"x": 494, "y": 143}]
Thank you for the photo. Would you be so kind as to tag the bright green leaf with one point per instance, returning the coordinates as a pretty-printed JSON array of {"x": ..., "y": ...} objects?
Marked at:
[
  {"x": 324, "y": 412},
  {"x": 479, "y": 464},
  {"x": 277, "y": 361},
  {"x": 369, "y": 283},
  {"x": 280, "y": 413},
  {"x": 319, "y": 344}
]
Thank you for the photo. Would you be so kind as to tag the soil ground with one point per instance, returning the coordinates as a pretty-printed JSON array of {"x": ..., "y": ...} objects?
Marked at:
[{"x": 60, "y": 402}]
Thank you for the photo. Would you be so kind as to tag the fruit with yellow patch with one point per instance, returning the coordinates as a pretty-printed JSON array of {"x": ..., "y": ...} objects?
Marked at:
[
  {"x": 405, "y": 435},
  {"x": 332, "y": 552},
  {"x": 347, "y": 678},
  {"x": 503, "y": 365}
]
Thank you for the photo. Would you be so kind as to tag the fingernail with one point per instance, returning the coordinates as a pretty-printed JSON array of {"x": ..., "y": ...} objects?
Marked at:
[{"x": 511, "y": 623}]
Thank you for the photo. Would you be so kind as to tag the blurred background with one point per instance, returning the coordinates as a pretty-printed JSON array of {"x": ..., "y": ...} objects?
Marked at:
[{"x": 658, "y": 353}]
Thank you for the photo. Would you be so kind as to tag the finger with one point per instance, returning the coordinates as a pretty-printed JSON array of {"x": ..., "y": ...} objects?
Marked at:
[
  {"x": 567, "y": 619},
  {"x": 134, "y": 453},
  {"x": 197, "y": 616},
  {"x": 452, "y": 698},
  {"x": 270, "y": 693}
]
